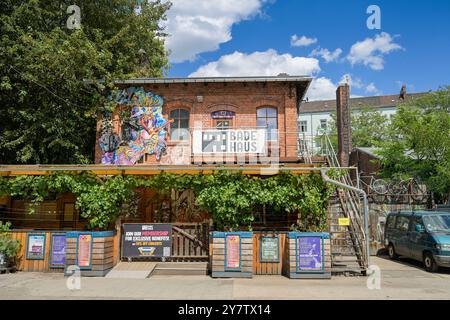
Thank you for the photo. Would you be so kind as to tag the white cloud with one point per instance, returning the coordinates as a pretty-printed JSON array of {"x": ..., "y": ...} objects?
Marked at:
[
  {"x": 302, "y": 41},
  {"x": 266, "y": 63},
  {"x": 326, "y": 54},
  {"x": 322, "y": 89},
  {"x": 370, "y": 52},
  {"x": 197, "y": 26},
  {"x": 372, "y": 89},
  {"x": 354, "y": 82}
]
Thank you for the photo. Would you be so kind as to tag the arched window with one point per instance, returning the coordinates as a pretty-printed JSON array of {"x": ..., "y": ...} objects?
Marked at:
[
  {"x": 267, "y": 118},
  {"x": 179, "y": 129}
]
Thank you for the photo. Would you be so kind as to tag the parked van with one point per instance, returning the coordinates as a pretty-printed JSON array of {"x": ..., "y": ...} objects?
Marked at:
[{"x": 422, "y": 236}]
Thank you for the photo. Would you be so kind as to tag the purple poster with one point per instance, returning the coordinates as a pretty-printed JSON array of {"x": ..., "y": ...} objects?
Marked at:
[
  {"x": 58, "y": 253},
  {"x": 309, "y": 254}
]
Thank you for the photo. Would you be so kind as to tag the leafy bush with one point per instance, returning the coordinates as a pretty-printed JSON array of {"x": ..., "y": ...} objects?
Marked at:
[{"x": 8, "y": 246}]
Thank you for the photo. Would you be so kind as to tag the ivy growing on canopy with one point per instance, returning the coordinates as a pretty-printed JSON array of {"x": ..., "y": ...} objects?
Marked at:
[{"x": 229, "y": 197}]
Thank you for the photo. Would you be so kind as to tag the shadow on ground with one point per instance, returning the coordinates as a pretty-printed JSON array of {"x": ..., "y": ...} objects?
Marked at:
[{"x": 411, "y": 263}]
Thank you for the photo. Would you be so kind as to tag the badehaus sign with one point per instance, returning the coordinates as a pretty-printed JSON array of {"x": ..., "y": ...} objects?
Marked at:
[{"x": 229, "y": 141}]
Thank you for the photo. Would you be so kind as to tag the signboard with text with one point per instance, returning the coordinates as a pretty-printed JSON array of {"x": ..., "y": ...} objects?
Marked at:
[
  {"x": 146, "y": 240},
  {"x": 229, "y": 141},
  {"x": 270, "y": 249},
  {"x": 233, "y": 252},
  {"x": 84, "y": 250},
  {"x": 35, "y": 246},
  {"x": 309, "y": 251},
  {"x": 58, "y": 251}
]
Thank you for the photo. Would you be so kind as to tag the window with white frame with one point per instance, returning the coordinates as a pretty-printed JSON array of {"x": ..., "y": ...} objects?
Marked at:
[{"x": 303, "y": 126}]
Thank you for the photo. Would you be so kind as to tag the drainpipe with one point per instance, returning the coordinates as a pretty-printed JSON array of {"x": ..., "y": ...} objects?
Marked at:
[{"x": 323, "y": 172}]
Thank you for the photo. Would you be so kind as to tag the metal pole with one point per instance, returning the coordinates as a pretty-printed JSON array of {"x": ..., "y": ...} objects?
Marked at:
[{"x": 323, "y": 172}]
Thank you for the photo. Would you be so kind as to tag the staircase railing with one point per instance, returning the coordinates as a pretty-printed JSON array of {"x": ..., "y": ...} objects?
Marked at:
[{"x": 349, "y": 197}]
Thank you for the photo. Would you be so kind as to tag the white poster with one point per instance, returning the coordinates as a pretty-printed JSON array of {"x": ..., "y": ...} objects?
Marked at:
[{"x": 229, "y": 141}]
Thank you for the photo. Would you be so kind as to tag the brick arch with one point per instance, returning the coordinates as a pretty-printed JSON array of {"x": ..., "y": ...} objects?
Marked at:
[
  {"x": 222, "y": 106},
  {"x": 267, "y": 102},
  {"x": 174, "y": 104}
]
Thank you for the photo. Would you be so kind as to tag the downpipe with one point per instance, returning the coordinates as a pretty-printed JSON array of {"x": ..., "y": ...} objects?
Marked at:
[{"x": 323, "y": 173}]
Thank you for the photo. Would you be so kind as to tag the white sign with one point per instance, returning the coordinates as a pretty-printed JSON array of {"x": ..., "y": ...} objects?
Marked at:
[{"x": 229, "y": 141}]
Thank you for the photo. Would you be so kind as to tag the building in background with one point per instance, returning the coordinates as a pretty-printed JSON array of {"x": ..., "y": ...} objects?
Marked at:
[{"x": 315, "y": 116}]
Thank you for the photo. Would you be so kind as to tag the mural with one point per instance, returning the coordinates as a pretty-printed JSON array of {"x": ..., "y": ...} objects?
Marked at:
[{"x": 143, "y": 128}]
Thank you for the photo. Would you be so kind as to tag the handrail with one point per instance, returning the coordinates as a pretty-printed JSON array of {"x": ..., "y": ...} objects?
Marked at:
[{"x": 323, "y": 172}]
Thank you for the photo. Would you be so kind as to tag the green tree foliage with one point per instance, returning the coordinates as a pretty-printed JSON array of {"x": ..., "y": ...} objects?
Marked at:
[
  {"x": 418, "y": 142},
  {"x": 228, "y": 197},
  {"x": 369, "y": 128},
  {"x": 50, "y": 95}
]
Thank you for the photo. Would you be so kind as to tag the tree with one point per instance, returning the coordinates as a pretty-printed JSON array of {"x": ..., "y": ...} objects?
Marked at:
[
  {"x": 369, "y": 128},
  {"x": 418, "y": 142},
  {"x": 53, "y": 79}
]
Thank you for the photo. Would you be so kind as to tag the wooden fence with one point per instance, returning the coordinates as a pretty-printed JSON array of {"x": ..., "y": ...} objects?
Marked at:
[
  {"x": 190, "y": 241},
  {"x": 30, "y": 265},
  {"x": 269, "y": 268}
]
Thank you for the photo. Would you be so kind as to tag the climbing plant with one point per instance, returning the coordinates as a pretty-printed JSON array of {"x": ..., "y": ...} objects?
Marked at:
[{"x": 229, "y": 197}]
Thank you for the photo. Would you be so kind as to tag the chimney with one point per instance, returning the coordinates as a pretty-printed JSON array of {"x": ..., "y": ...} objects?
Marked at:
[{"x": 344, "y": 128}]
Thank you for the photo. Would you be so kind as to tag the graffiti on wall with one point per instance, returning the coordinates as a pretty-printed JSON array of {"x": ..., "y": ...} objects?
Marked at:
[{"x": 143, "y": 128}]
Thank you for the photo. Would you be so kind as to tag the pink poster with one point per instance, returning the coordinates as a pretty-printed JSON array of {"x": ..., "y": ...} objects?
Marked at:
[
  {"x": 84, "y": 250},
  {"x": 233, "y": 251}
]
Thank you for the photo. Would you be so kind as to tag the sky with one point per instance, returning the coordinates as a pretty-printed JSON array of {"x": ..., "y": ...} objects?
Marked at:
[{"x": 327, "y": 39}]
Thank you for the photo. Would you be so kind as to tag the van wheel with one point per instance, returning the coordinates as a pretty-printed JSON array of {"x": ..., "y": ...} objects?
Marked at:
[
  {"x": 391, "y": 252},
  {"x": 429, "y": 263}
]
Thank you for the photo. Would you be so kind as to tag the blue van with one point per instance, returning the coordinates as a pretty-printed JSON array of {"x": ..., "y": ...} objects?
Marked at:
[{"x": 421, "y": 235}]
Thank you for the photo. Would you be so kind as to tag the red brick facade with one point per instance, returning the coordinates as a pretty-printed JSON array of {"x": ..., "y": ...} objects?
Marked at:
[{"x": 242, "y": 98}]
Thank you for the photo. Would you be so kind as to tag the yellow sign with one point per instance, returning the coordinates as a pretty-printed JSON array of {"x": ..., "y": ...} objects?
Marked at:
[{"x": 344, "y": 221}]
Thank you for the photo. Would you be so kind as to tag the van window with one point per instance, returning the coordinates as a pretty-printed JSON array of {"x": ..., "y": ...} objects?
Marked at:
[
  {"x": 416, "y": 220},
  {"x": 402, "y": 223},
  {"x": 390, "y": 222}
]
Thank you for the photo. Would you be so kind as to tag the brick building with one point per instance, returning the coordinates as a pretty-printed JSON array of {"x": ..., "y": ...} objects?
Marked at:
[{"x": 181, "y": 106}]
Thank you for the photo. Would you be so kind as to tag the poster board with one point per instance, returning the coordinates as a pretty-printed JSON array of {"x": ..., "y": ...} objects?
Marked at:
[
  {"x": 146, "y": 240},
  {"x": 233, "y": 252},
  {"x": 36, "y": 246},
  {"x": 58, "y": 251},
  {"x": 229, "y": 141},
  {"x": 84, "y": 250},
  {"x": 310, "y": 254},
  {"x": 269, "y": 249}
]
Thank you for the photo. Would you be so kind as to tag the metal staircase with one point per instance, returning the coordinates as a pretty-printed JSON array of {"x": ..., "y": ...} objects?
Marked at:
[{"x": 349, "y": 250}]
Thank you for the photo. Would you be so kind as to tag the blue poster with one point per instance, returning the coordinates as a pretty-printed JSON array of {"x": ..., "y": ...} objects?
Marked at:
[
  {"x": 309, "y": 254},
  {"x": 35, "y": 246},
  {"x": 58, "y": 253}
]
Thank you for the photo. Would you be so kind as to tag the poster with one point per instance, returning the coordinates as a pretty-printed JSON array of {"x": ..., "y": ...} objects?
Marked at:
[
  {"x": 84, "y": 250},
  {"x": 309, "y": 253},
  {"x": 36, "y": 246},
  {"x": 229, "y": 141},
  {"x": 233, "y": 254},
  {"x": 269, "y": 249},
  {"x": 146, "y": 240},
  {"x": 344, "y": 221},
  {"x": 58, "y": 250}
]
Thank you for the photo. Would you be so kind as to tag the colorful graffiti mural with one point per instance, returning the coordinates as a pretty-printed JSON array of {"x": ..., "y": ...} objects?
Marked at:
[{"x": 143, "y": 128}]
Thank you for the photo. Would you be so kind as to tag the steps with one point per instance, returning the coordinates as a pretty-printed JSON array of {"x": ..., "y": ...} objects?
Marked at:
[{"x": 180, "y": 268}]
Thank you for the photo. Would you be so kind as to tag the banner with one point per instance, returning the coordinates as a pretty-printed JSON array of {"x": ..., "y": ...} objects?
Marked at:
[
  {"x": 84, "y": 250},
  {"x": 309, "y": 254},
  {"x": 229, "y": 141},
  {"x": 233, "y": 254},
  {"x": 58, "y": 250},
  {"x": 146, "y": 240},
  {"x": 36, "y": 246},
  {"x": 269, "y": 249}
]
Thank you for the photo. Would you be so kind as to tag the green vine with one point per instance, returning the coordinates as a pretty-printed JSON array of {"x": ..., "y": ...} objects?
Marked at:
[{"x": 229, "y": 197}]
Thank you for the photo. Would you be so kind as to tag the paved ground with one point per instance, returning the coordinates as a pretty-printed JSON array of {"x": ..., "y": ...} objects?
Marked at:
[{"x": 399, "y": 280}]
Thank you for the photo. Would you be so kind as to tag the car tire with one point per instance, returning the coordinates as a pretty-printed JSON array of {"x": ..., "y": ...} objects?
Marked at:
[
  {"x": 429, "y": 263},
  {"x": 391, "y": 252}
]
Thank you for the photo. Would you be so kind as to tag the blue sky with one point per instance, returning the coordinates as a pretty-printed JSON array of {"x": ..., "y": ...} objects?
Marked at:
[{"x": 254, "y": 37}]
